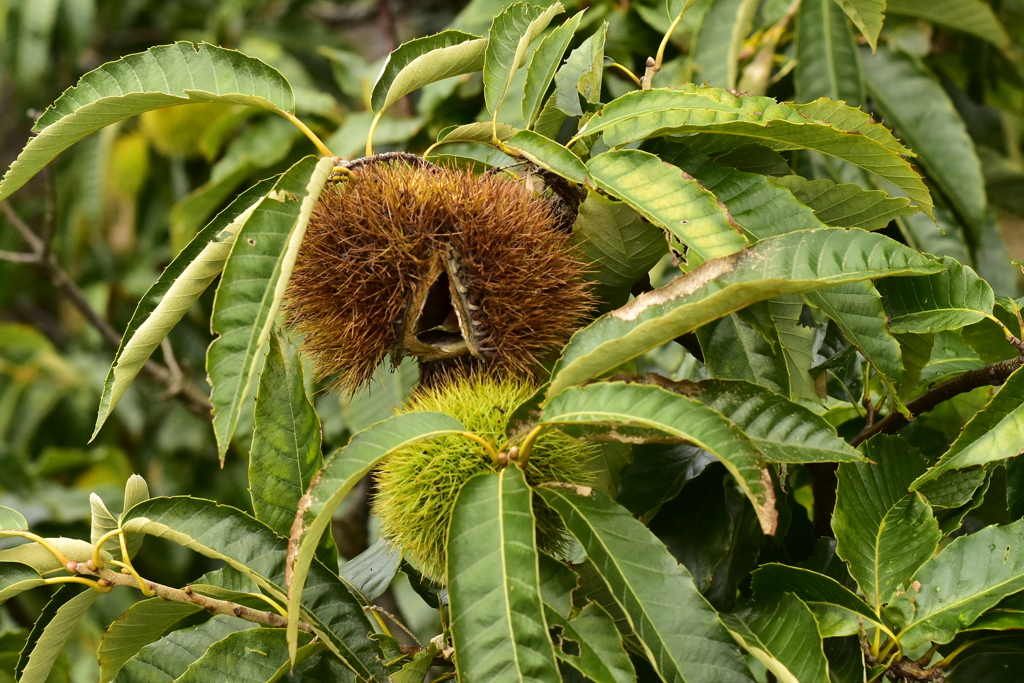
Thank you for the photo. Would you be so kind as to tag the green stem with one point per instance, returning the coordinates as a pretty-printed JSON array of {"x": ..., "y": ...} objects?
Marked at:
[
  {"x": 485, "y": 443},
  {"x": 77, "y": 579},
  {"x": 61, "y": 557},
  {"x": 373, "y": 129},
  {"x": 630, "y": 74},
  {"x": 654, "y": 66},
  {"x": 307, "y": 132},
  {"x": 97, "y": 561}
]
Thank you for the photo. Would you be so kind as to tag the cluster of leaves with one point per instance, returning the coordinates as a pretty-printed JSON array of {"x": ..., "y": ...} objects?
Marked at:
[{"x": 778, "y": 244}]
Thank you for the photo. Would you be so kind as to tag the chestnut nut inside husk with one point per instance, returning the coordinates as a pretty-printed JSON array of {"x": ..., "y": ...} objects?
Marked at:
[{"x": 407, "y": 258}]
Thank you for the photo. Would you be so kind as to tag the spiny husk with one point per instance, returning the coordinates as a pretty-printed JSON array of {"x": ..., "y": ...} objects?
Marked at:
[
  {"x": 369, "y": 245},
  {"x": 417, "y": 486}
]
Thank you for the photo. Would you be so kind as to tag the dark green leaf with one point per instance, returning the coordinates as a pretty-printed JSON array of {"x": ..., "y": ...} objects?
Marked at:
[
  {"x": 846, "y": 205},
  {"x": 735, "y": 350},
  {"x": 838, "y": 609},
  {"x": 619, "y": 246},
  {"x": 285, "y": 451},
  {"x": 141, "y": 624},
  {"x": 639, "y": 410},
  {"x": 857, "y": 309},
  {"x": 970, "y": 16},
  {"x": 254, "y": 655},
  {"x": 497, "y": 618},
  {"x": 883, "y": 532},
  {"x": 591, "y": 644},
  {"x": 782, "y": 430},
  {"x": 681, "y": 634},
  {"x": 783, "y": 635},
  {"x": 827, "y": 61},
  {"x": 170, "y": 657},
  {"x": 254, "y": 549},
  {"x": 920, "y": 111}
]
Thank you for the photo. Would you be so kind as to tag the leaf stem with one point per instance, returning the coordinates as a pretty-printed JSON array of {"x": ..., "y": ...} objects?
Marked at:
[
  {"x": 485, "y": 443},
  {"x": 95, "y": 585},
  {"x": 527, "y": 447},
  {"x": 61, "y": 557},
  {"x": 307, "y": 132},
  {"x": 654, "y": 65},
  {"x": 369, "y": 134},
  {"x": 97, "y": 561},
  {"x": 630, "y": 74}
]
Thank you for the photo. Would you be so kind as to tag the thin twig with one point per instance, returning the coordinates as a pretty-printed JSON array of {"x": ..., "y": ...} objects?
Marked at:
[
  {"x": 108, "y": 577},
  {"x": 991, "y": 375},
  {"x": 17, "y": 257},
  {"x": 194, "y": 399}
]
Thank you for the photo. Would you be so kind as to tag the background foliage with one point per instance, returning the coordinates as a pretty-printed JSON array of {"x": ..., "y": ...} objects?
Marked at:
[{"x": 115, "y": 209}]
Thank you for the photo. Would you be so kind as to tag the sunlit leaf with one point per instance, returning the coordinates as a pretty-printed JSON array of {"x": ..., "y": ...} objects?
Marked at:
[
  {"x": 637, "y": 411},
  {"x": 425, "y": 60},
  {"x": 51, "y": 632},
  {"x": 867, "y": 15},
  {"x": 669, "y": 197},
  {"x": 796, "y": 262},
  {"x": 170, "y": 297},
  {"x": 159, "y": 77},
  {"x": 996, "y": 432},
  {"x": 340, "y": 473},
  {"x": 949, "y": 300},
  {"x": 967, "y": 577},
  {"x": 545, "y": 62},
  {"x": 511, "y": 33},
  {"x": 252, "y": 287}
]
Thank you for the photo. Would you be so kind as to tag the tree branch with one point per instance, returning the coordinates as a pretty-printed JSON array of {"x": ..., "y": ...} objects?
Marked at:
[
  {"x": 108, "y": 577},
  {"x": 991, "y": 375},
  {"x": 193, "y": 398}
]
